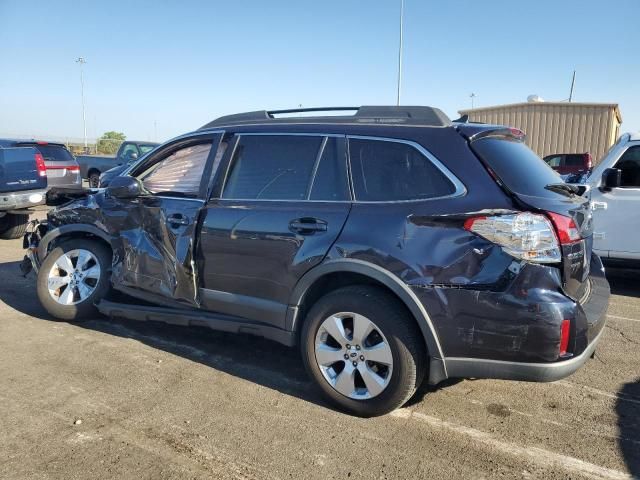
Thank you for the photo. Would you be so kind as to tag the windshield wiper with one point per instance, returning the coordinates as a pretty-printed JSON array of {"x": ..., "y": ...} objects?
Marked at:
[{"x": 563, "y": 188}]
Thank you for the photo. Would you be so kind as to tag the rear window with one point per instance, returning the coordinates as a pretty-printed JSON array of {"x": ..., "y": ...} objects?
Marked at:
[
  {"x": 54, "y": 153},
  {"x": 574, "y": 161},
  {"x": 517, "y": 166}
]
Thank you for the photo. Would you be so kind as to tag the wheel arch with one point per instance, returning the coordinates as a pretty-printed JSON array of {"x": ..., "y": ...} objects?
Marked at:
[
  {"x": 375, "y": 275},
  {"x": 71, "y": 231}
]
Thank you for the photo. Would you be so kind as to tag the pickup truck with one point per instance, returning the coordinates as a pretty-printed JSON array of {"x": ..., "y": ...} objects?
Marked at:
[
  {"x": 91, "y": 166},
  {"x": 615, "y": 197},
  {"x": 23, "y": 184}
]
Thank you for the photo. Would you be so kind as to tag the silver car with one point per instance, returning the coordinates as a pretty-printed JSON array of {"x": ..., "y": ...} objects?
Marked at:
[{"x": 62, "y": 168}]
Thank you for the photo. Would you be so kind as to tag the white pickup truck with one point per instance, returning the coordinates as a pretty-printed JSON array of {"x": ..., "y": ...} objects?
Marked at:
[{"x": 615, "y": 195}]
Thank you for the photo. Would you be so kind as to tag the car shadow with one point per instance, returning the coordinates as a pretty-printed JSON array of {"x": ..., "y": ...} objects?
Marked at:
[
  {"x": 251, "y": 358},
  {"x": 628, "y": 411},
  {"x": 624, "y": 282}
]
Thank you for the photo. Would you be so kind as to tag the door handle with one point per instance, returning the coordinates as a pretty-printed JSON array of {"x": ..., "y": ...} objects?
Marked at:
[
  {"x": 177, "y": 219},
  {"x": 599, "y": 205},
  {"x": 307, "y": 226}
]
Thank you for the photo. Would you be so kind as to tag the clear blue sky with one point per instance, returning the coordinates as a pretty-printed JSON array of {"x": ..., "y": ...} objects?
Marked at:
[{"x": 181, "y": 64}]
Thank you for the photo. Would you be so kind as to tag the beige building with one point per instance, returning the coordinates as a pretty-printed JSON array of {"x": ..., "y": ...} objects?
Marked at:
[{"x": 558, "y": 127}]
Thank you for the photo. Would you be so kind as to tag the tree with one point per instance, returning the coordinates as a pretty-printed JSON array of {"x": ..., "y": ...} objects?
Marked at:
[{"x": 109, "y": 142}]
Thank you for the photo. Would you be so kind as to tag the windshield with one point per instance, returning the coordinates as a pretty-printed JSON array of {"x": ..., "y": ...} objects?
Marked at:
[
  {"x": 144, "y": 149},
  {"x": 517, "y": 166}
]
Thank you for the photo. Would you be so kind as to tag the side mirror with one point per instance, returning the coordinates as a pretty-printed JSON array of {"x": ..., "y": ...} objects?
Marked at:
[
  {"x": 611, "y": 178},
  {"x": 124, "y": 187},
  {"x": 133, "y": 156}
]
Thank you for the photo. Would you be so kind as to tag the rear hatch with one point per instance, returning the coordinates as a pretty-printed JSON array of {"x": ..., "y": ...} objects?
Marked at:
[
  {"x": 537, "y": 187},
  {"x": 60, "y": 163},
  {"x": 19, "y": 170}
]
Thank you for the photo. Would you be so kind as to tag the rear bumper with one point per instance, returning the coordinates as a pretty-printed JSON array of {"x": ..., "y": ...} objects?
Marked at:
[
  {"x": 530, "y": 372},
  {"x": 19, "y": 200}
]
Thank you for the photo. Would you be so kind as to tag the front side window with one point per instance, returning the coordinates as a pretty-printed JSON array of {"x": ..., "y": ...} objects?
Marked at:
[
  {"x": 629, "y": 163},
  {"x": 391, "y": 171},
  {"x": 272, "y": 167},
  {"x": 178, "y": 174}
]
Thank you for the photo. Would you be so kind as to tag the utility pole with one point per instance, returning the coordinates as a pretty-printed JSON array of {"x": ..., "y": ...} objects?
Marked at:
[
  {"x": 400, "y": 52},
  {"x": 472, "y": 96},
  {"x": 82, "y": 61},
  {"x": 573, "y": 81}
]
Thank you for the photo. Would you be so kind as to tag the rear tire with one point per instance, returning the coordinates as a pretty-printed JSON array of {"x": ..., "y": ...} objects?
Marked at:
[
  {"x": 391, "y": 358},
  {"x": 13, "y": 225},
  {"x": 94, "y": 179},
  {"x": 73, "y": 277}
]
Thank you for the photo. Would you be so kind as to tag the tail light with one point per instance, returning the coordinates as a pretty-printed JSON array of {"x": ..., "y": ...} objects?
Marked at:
[
  {"x": 40, "y": 166},
  {"x": 528, "y": 236},
  {"x": 564, "y": 337},
  {"x": 74, "y": 169},
  {"x": 565, "y": 226},
  {"x": 589, "y": 162}
]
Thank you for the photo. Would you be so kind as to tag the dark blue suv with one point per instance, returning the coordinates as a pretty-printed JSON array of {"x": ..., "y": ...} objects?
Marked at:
[{"x": 391, "y": 245}]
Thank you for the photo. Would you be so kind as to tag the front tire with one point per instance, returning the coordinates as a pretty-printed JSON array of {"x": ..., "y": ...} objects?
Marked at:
[
  {"x": 363, "y": 350},
  {"x": 73, "y": 277},
  {"x": 13, "y": 225}
]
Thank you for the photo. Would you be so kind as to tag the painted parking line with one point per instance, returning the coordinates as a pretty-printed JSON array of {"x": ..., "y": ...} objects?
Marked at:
[
  {"x": 597, "y": 391},
  {"x": 539, "y": 456},
  {"x": 617, "y": 317}
]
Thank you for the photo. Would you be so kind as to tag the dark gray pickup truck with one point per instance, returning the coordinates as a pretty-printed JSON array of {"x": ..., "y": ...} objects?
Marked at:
[
  {"x": 23, "y": 184},
  {"x": 91, "y": 166}
]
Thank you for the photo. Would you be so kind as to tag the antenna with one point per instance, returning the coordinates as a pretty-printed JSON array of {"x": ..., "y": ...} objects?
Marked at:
[{"x": 573, "y": 81}]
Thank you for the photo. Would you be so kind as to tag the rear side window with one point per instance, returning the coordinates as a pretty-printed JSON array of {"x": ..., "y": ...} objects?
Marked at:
[
  {"x": 272, "y": 167},
  {"x": 517, "y": 166},
  {"x": 385, "y": 171},
  {"x": 54, "y": 153},
  {"x": 178, "y": 174},
  {"x": 554, "y": 161}
]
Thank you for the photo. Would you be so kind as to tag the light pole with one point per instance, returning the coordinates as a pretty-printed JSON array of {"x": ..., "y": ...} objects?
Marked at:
[
  {"x": 400, "y": 52},
  {"x": 472, "y": 96},
  {"x": 82, "y": 61}
]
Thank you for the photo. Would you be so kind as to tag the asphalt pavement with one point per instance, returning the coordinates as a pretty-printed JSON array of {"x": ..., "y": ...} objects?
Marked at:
[{"x": 125, "y": 399}]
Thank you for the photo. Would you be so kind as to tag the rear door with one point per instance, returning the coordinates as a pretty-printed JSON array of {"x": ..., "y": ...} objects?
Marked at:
[
  {"x": 277, "y": 209},
  {"x": 158, "y": 251},
  {"x": 526, "y": 177},
  {"x": 616, "y": 214}
]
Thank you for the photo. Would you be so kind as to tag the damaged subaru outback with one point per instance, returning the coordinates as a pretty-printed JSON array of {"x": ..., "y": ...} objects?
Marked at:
[{"x": 390, "y": 244}]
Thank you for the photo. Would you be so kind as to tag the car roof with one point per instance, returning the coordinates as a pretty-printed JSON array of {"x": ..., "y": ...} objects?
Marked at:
[
  {"x": 8, "y": 142},
  {"x": 364, "y": 115}
]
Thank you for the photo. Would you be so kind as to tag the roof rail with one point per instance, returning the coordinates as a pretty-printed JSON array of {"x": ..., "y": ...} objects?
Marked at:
[{"x": 417, "y": 115}]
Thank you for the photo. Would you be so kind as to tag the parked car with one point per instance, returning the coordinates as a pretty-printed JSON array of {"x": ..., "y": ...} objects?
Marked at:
[
  {"x": 106, "y": 177},
  {"x": 62, "y": 168},
  {"x": 23, "y": 184},
  {"x": 573, "y": 167},
  {"x": 615, "y": 192},
  {"x": 92, "y": 166},
  {"x": 390, "y": 245}
]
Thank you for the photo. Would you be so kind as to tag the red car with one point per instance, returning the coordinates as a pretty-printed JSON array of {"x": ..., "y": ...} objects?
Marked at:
[{"x": 570, "y": 163}]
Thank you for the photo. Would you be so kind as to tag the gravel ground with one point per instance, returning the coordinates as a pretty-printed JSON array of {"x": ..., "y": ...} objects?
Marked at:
[{"x": 120, "y": 399}]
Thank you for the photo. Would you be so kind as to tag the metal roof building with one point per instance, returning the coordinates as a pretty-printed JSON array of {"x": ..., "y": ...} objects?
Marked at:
[{"x": 558, "y": 127}]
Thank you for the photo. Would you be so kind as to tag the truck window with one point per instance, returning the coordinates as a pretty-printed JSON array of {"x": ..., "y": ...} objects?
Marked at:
[
  {"x": 629, "y": 163},
  {"x": 178, "y": 174}
]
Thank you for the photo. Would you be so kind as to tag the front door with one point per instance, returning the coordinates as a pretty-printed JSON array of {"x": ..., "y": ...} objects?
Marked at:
[
  {"x": 616, "y": 218},
  {"x": 282, "y": 206},
  {"x": 158, "y": 250}
]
